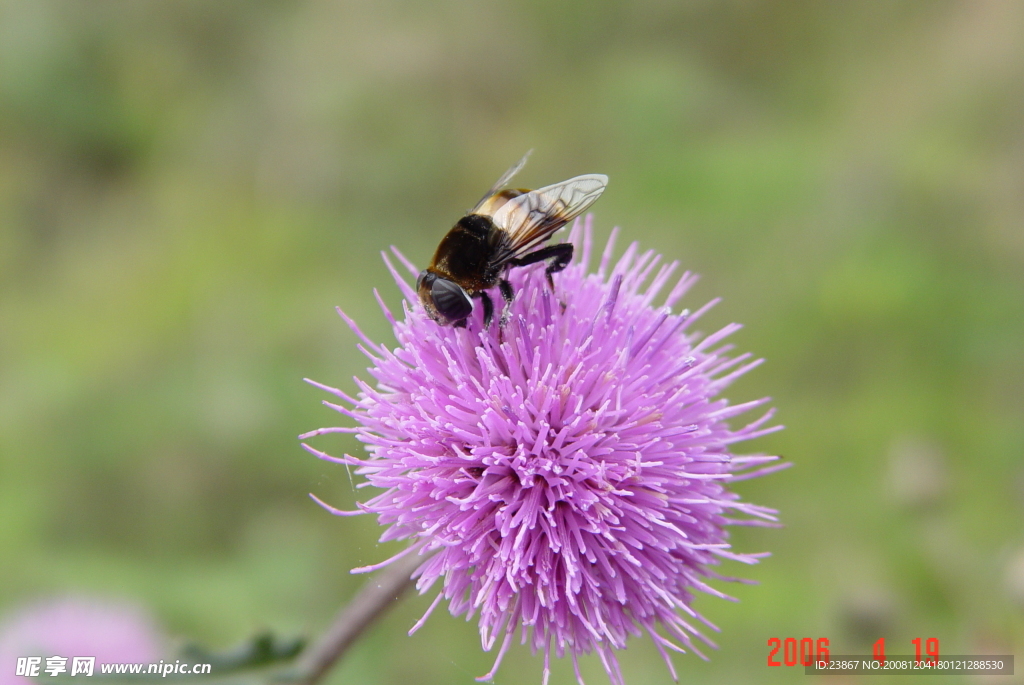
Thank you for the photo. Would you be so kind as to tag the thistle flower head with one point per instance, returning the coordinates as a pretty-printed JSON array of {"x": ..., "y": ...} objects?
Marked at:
[{"x": 567, "y": 474}]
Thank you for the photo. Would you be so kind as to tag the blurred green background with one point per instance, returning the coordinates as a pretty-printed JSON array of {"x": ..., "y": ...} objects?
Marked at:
[{"x": 188, "y": 188}]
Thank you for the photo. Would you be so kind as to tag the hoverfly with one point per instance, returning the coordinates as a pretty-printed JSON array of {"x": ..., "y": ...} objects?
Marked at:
[{"x": 501, "y": 232}]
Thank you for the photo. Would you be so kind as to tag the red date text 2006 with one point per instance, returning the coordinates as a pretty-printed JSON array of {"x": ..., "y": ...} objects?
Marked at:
[{"x": 796, "y": 652}]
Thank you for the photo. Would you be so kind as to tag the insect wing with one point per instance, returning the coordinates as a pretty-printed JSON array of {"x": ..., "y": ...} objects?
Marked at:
[
  {"x": 505, "y": 178},
  {"x": 530, "y": 219}
]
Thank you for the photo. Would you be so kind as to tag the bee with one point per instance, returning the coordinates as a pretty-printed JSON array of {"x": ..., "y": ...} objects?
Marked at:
[{"x": 504, "y": 230}]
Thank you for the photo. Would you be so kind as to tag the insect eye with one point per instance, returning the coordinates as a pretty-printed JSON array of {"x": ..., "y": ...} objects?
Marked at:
[
  {"x": 419, "y": 279},
  {"x": 450, "y": 300}
]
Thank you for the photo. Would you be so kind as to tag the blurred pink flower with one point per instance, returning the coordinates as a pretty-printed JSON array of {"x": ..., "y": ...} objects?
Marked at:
[{"x": 110, "y": 630}]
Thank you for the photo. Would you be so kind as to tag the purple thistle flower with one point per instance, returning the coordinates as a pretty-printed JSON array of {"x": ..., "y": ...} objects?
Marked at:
[{"x": 566, "y": 474}]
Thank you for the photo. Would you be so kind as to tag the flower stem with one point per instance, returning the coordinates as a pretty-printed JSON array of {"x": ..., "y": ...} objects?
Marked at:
[{"x": 372, "y": 601}]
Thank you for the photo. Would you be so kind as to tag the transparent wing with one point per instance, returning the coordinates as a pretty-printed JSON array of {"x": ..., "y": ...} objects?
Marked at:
[
  {"x": 505, "y": 178},
  {"x": 530, "y": 219}
]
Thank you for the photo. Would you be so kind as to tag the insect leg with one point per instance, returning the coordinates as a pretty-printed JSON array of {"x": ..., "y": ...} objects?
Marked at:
[
  {"x": 508, "y": 295},
  {"x": 485, "y": 300},
  {"x": 560, "y": 256}
]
